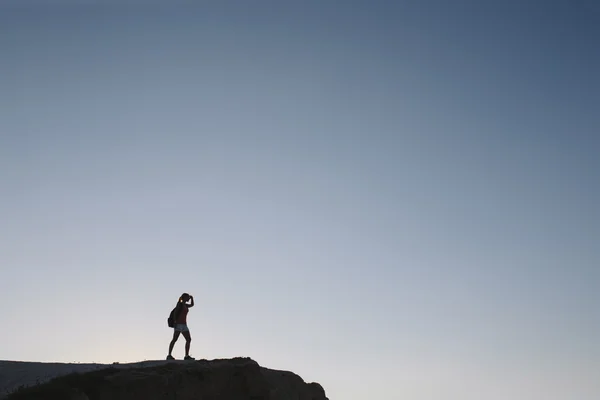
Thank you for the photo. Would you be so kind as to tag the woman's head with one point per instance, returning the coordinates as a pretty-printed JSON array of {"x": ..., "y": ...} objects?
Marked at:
[{"x": 184, "y": 298}]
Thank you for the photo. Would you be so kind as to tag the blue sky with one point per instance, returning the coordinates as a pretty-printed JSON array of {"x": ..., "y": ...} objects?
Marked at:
[{"x": 398, "y": 200}]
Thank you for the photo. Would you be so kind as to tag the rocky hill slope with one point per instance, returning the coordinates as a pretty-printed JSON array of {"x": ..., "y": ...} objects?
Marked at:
[{"x": 228, "y": 379}]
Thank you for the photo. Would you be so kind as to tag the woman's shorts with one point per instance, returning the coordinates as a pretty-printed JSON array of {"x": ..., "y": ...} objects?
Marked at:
[{"x": 181, "y": 328}]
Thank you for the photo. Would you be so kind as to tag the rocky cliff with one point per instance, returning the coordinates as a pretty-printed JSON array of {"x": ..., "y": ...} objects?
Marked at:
[{"x": 234, "y": 379}]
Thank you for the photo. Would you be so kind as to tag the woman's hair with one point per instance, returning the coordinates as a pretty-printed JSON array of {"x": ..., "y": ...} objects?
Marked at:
[{"x": 181, "y": 297}]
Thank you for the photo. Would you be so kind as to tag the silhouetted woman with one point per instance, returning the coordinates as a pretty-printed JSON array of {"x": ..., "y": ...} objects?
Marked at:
[{"x": 181, "y": 311}]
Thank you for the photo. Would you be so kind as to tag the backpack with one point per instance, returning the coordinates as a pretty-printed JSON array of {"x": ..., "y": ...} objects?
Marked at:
[{"x": 172, "y": 316}]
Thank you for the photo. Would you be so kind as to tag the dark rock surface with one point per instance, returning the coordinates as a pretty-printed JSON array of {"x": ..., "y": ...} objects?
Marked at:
[{"x": 227, "y": 379}]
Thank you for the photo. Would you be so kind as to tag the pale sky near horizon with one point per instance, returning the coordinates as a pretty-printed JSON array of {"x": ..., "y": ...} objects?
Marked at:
[{"x": 396, "y": 199}]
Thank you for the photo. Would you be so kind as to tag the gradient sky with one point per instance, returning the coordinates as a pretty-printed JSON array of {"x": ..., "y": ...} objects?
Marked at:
[{"x": 399, "y": 200}]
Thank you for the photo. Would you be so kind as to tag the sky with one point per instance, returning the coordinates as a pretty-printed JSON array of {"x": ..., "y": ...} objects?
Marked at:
[{"x": 396, "y": 199}]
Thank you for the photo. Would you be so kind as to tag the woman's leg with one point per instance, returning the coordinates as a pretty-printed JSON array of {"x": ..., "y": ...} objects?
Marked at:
[
  {"x": 188, "y": 340},
  {"x": 175, "y": 337}
]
